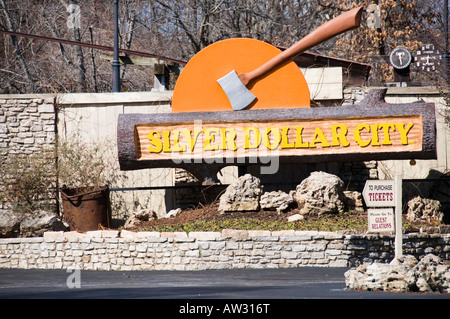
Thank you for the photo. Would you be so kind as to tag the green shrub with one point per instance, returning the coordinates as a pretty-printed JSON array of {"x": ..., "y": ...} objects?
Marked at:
[{"x": 29, "y": 182}]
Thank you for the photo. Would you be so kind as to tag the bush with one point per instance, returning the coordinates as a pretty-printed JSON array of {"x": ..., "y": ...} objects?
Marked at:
[
  {"x": 83, "y": 164},
  {"x": 29, "y": 182}
]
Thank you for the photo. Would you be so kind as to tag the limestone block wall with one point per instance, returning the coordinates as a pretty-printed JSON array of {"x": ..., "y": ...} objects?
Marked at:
[
  {"x": 27, "y": 127},
  {"x": 26, "y": 124},
  {"x": 229, "y": 249}
]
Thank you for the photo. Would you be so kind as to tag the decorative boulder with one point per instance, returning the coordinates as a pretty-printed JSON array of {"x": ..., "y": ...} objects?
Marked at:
[
  {"x": 242, "y": 195},
  {"x": 9, "y": 224},
  {"x": 173, "y": 212},
  {"x": 295, "y": 217},
  {"x": 403, "y": 274},
  {"x": 424, "y": 209},
  {"x": 38, "y": 223},
  {"x": 353, "y": 201},
  {"x": 381, "y": 276},
  {"x": 138, "y": 217},
  {"x": 319, "y": 194},
  {"x": 279, "y": 201},
  {"x": 430, "y": 274},
  {"x": 29, "y": 225}
]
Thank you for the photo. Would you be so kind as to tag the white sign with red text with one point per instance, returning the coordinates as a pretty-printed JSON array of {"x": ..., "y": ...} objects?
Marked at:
[
  {"x": 379, "y": 193},
  {"x": 381, "y": 220}
]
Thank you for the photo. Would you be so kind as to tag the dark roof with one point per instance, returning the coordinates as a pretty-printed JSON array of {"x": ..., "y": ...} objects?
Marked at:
[{"x": 354, "y": 73}]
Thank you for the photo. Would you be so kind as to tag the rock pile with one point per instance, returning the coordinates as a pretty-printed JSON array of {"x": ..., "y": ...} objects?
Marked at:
[
  {"x": 404, "y": 274},
  {"x": 138, "y": 217},
  {"x": 279, "y": 201},
  {"x": 242, "y": 195},
  {"x": 353, "y": 200},
  {"x": 29, "y": 225},
  {"x": 320, "y": 193},
  {"x": 424, "y": 209}
]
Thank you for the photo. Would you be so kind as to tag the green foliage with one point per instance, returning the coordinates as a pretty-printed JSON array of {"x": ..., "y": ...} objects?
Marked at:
[
  {"x": 29, "y": 181},
  {"x": 349, "y": 221},
  {"x": 346, "y": 221}
]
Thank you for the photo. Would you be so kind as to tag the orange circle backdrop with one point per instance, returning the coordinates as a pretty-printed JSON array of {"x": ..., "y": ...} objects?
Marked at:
[{"x": 197, "y": 89}]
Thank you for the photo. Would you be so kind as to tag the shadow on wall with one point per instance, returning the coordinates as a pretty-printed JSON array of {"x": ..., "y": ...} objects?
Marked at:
[
  {"x": 353, "y": 174},
  {"x": 287, "y": 177},
  {"x": 435, "y": 186}
]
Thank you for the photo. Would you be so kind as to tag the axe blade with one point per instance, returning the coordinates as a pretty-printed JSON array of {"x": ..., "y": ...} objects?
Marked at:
[{"x": 238, "y": 95}]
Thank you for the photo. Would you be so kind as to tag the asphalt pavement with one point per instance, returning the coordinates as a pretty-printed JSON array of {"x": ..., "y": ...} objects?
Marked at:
[{"x": 262, "y": 284}]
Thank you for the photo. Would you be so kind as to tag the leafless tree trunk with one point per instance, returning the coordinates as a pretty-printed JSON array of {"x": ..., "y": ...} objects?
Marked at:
[
  {"x": 20, "y": 57},
  {"x": 130, "y": 24},
  {"x": 179, "y": 29},
  {"x": 94, "y": 65},
  {"x": 80, "y": 67}
]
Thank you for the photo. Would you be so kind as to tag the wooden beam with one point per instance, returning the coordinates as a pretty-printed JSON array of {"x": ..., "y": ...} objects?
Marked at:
[
  {"x": 133, "y": 60},
  {"x": 205, "y": 142}
]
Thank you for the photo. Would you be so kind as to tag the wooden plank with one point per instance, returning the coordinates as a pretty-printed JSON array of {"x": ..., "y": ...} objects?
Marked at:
[
  {"x": 309, "y": 137},
  {"x": 370, "y": 130},
  {"x": 133, "y": 60}
]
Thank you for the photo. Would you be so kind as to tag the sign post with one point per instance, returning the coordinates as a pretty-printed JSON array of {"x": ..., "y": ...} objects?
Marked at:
[
  {"x": 398, "y": 216},
  {"x": 385, "y": 194}
]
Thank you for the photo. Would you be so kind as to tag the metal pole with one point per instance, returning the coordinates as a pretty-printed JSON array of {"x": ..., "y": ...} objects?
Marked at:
[
  {"x": 116, "y": 63},
  {"x": 446, "y": 49},
  {"x": 398, "y": 216}
]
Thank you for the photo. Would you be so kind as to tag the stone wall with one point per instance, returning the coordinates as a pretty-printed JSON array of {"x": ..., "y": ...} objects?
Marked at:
[
  {"x": 229, "y": 249},
  {"x": 27, "y": 127},
  {"x": 31, "y": 122},
  {"x": 26, "y": 124}
]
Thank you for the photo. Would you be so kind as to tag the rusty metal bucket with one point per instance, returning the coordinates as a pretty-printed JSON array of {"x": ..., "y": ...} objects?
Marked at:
[{"x": 86, "y": 208}]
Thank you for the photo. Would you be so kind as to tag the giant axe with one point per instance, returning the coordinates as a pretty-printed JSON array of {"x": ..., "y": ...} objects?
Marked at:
[{"x": 235, "y": 86}]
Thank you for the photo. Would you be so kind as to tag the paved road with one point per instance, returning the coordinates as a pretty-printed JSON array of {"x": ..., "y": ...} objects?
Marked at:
[{"x": 293, "y": 283}]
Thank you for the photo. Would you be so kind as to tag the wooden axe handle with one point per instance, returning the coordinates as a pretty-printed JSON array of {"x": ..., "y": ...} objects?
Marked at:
[{"x": 344, "y": 22}]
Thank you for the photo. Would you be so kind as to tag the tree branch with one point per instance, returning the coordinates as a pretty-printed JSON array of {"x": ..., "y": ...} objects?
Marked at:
[{"x": 22, "y": 62}]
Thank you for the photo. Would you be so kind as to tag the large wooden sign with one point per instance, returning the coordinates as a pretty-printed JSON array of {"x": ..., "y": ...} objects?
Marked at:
[
  {"x": 242, "y": 102},
  {"x": 370, "y": 130}
]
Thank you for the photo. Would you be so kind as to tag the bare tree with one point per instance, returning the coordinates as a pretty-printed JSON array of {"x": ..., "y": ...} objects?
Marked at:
[
  {"x": 20, "y": 57},
  {"x": 74, "y": 23},
  {"x": 180, "y": 29},
  {"x": 406, "y": 23}
]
